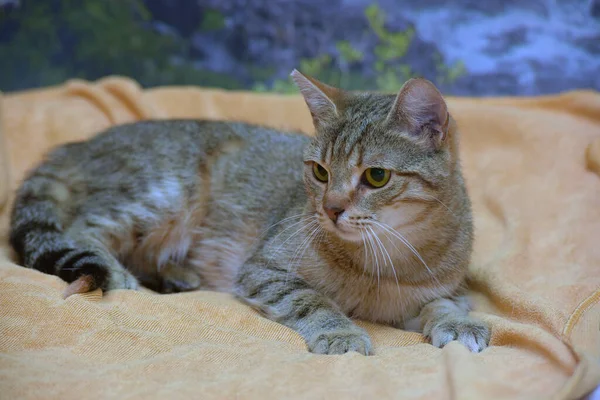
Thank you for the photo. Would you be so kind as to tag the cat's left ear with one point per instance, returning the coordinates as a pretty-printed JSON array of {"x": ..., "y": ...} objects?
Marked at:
[
  {"x": 323, "y": 101},
  {"x": 421, "y": 110}
]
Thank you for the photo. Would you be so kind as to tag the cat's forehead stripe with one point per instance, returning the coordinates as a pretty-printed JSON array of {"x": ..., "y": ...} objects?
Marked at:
[
  {"x": 338, "y": 140},
  {"x": 354, "y": 147},
  {"x": 329, "y": 155},
  {"x": 352, "y": 139},
  {"x": 354, "y": 157},
  {"x": 344, "y": 141}
]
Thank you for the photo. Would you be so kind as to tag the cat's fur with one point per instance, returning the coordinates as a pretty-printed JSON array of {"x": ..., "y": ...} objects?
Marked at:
[{"x": 181, "y": 205}]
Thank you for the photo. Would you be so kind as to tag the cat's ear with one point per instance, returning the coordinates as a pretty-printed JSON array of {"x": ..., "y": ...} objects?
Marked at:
[
  {"x": 421, "y": 110},
  {"x": 322, "y": 100}
]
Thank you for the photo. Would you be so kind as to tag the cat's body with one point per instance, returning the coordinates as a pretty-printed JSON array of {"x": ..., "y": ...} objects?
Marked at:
[
  {"x": 183, "y": 205},
  {"x": 163, "y": 192}
]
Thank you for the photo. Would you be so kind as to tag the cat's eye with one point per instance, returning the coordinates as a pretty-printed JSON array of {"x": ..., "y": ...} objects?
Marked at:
[
  {"x": 320, "y": 173},
  {"x": 376, "y": 177}
]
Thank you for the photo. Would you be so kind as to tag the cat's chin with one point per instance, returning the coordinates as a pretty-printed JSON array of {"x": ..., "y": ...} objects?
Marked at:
[{"x": 347, "y": 235}]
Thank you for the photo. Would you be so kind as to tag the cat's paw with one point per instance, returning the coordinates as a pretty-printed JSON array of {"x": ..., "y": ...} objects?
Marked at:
[
  {"x": 472, "y": 333},
  {"x": 87, "y": 283},
  {"x": 341, "y": 341},
  {"x": 122, "y": 280},
  {"x": 177, "y": 279}
]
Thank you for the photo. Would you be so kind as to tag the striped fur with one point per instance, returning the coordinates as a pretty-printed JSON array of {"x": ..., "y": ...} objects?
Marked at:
[{"x": 182, "y": 205}]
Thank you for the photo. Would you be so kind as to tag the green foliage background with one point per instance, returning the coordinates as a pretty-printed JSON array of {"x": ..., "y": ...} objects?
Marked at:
[{"x": 54, "y": 40}]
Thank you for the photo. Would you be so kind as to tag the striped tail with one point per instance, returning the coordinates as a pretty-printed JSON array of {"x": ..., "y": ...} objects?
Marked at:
[{"x": 37, "y": 234}]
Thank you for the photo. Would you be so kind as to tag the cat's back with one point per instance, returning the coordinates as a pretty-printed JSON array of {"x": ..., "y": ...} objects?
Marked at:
[
  {"x": 153, "y": 148},
  {"x": 182, "y": 136},
  {"x": 190, "y": 131},
  {"x": 162, "y": 164}
]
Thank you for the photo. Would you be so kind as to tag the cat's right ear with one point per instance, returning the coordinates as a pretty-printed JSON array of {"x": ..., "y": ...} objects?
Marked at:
[
  {"x": 421, "y": 110},
  {"x": 322, "y": 100}
]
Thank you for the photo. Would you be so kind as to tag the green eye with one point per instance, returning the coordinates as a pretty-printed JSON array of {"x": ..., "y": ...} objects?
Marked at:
[
  {"x": 320, "y": 172},
  {"x": 377, "y": 177}
]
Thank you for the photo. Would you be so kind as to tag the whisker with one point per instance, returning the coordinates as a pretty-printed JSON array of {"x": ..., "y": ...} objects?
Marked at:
[
  {"x": 318, "y": 239},
  {"x": 384, "y": 251},
  {"x": 389, "y": 239},
  {"x": 391, "y": 264},
  {"x": 441, "y": 203},
  {"x": 402, "y": 239},
  {"x": 309, "y": 218},
  {"x": 362, "y": 235},
  {"x": 309, "y": 225},
  {"x": 376, "y": 258},
  {"x": 407, "y": 244},
  {"x": 281, "y": 222},
  {"x": 371, "y": 254},
  {"x": 306, "y": 220},
  {"x": 303, "y": 246},
  {"x": 381, "y": 245},
  {"x": 322, "y": 235}
]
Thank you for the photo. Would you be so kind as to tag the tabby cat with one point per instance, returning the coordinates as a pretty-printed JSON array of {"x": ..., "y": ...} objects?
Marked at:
[{"x": 370, "y": 219}]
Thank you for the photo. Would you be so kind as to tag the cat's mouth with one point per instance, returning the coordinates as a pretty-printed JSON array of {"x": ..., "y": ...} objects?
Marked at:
[
  {"x": 353, "y": 235},
  {"x": 344, "y": 229}
]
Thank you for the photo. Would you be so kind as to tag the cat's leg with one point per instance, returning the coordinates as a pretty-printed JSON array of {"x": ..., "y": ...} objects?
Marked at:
[
  {"x": 285, "y": 297},
  {"x": 90, "y": 261},
  {"x": 444, "y": 320},
  {"x": 90, "y": 265}
]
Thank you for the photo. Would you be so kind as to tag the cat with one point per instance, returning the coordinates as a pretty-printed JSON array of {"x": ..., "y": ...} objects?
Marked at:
[{"x": 369, "y": 219}]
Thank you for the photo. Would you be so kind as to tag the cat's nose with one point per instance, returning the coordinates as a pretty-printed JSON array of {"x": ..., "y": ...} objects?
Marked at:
[{"x": 333, "y": 212}]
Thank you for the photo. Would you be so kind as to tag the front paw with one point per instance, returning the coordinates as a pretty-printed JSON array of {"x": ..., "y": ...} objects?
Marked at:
[
  {"x": 472, "y": 333},
  {"x": 341, "y": 341}
]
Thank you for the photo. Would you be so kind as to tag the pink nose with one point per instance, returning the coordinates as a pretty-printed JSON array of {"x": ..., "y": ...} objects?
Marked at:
[{"x": 333, "y": 212}]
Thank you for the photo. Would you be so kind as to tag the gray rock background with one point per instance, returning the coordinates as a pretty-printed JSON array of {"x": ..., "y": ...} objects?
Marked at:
[
  {"x": 510, "y": 47},
  {"x": 515, "y": 47}
]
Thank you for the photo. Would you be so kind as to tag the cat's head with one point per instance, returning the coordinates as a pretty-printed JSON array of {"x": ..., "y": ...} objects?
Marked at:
[{"x": 378, "y": 161}]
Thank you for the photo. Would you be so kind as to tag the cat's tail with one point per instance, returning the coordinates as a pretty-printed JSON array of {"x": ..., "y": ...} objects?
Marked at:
[{"x": 37, "y": 234}]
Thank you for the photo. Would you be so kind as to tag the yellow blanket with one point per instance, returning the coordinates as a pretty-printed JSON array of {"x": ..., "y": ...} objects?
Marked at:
[{"x": 531, "y": 166}]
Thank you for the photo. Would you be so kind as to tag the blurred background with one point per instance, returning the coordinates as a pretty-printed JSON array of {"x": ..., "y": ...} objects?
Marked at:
[{"x": 467, "y": 47}]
